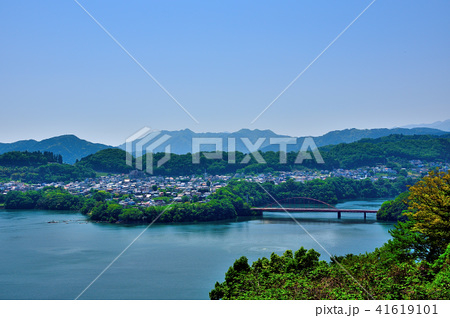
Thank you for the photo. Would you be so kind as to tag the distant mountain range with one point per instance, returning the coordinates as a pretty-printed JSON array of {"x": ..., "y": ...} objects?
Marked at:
[
  {"x": 351, "y": 135},
  {"x": 441, "y": 125},
  {"x": 181, "y": 140},
  {"x": 72, "y": 148}
]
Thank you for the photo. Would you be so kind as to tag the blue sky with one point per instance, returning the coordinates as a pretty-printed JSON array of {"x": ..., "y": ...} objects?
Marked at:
[{"x": 224, "y": 61}]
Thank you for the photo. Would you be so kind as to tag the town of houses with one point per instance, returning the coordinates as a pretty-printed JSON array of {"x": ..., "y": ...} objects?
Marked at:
[{"x": 143, "y": 190}]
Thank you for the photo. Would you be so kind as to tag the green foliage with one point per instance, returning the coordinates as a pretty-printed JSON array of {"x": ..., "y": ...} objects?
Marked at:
[
  {"x": 131, "y": 215},
  {"x": 48, "y": 198},
  {"x": 109, "y": 211},
  {"x": 88, "y": 205},
  {"x": 59, "y": 200},
  {"x": 276, "y": 278},
  {"x": 379, "y": 274},
  {"x": 369, "y": 152},
  {"x": 19, "y": 200},
  {"x": 394, "y": 210},
  {"x": 429, "y": 209},
  {"x": 111, "y": 160},
  {"x": 241, "y": 265},
  {"x": 439, "y": 288},
  {"x": 166, "y": 200},
  {"x": 101, "y": 195},
  {"x": 34, "y": 159},
  {"x": 59, "y": 173},
  {"x": 225, "y": 194},
  {"x": 37, "y": 167}
]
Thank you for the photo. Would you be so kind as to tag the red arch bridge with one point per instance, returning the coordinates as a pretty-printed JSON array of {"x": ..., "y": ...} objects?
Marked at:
[{"x": 302, "y": 204}]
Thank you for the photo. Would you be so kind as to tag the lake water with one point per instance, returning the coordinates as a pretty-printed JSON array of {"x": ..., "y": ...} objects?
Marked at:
[{"x": 42, "y": 260}]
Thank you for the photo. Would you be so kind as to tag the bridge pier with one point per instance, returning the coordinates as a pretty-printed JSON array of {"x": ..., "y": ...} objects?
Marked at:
[
  {"x": 365, "y": 216},
  {"x": 339, "y": 214}
]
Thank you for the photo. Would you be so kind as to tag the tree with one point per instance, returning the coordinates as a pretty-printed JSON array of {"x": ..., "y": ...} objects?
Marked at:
[
  {"x": 101, "y": 196},
  {"x": 394, "y": 210},
  {"x": 18, "y": 200},
  {"x": 131, "y": 215},
  {"x": 429, "y": 209}
]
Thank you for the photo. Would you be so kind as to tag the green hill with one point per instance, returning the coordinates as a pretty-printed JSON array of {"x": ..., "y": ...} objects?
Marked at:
[
  {"x": 37, "y": 167},
  {"x": 108, "y": 160},
  {"x": 368, "y": 152},
  {"x": 70, "y": 147}
]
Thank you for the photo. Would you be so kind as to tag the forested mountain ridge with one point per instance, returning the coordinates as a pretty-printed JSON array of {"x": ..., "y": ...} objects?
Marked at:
[
  {"x": 366, "y": 152},
  {"x": 70, "y": 147},
  {"x": 110, "y": 160}
]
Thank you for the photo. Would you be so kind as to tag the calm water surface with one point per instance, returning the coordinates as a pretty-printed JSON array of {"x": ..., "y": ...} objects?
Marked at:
[{"x": 57, "y": 260}]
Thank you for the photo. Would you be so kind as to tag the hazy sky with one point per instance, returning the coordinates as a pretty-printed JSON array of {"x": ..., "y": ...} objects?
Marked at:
[{"x": 224, "y": 61}]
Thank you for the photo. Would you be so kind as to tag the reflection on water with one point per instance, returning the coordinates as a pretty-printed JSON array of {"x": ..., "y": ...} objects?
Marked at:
[{"x": 304, "y": 219}]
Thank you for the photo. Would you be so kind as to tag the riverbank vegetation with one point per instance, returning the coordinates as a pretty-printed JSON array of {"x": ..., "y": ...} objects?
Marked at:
[
  {"x": 414, "y": 264},
  {"x": 49, "y": 198}
]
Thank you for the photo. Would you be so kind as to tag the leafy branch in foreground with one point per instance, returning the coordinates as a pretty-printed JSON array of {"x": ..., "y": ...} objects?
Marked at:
[{"x": 429, "y": 210}]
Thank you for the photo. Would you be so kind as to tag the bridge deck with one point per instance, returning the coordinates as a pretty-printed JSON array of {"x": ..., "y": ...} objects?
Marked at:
[{"x": 278, "y": 209}]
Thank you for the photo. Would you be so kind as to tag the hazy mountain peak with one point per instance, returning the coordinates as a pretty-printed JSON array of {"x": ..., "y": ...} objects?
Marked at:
[{"x": 441, "y": 125}]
